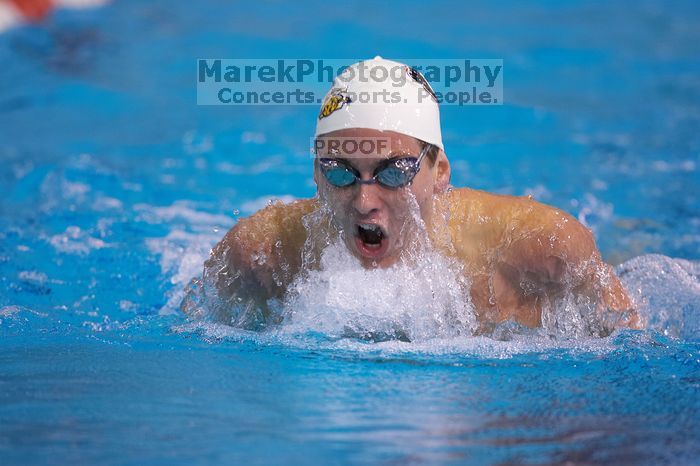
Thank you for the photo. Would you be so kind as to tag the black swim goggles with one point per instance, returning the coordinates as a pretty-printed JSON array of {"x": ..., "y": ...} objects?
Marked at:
[{"x": 391, "y": 173}]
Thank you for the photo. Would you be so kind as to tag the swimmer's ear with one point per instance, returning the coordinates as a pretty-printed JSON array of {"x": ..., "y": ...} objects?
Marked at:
[{"x": 442, "y": 173}]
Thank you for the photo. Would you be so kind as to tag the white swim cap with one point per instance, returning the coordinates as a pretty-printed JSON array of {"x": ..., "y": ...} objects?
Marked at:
[{"x": 383, "y": 95}]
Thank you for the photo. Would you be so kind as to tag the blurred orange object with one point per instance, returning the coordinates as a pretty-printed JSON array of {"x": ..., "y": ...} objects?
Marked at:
[{"x": 33, "y": 10}]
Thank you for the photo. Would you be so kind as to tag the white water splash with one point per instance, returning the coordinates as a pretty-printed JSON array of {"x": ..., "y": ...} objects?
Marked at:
[
  {"x": 181, "y": 256},
  {"x": 666, "y": 291},
  {"x": 406, "y": 302},
  {"x": 532, "y": 341},
  {"x": 183, "y": 250},
  {"x": 76, "y": 241}
]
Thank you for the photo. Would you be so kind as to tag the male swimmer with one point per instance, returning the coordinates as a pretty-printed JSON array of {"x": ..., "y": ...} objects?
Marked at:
[{"x": 519, "y": 255}]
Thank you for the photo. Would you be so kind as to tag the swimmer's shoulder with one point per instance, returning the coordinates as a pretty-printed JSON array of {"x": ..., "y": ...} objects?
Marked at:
[
  {"x": 473, "y": 206},
  {"x": 277, "y": 221},
  {"x": 268, "y": 244},
  {"x": 479, "y": 219},
  {"x": 480, "y": 213}
]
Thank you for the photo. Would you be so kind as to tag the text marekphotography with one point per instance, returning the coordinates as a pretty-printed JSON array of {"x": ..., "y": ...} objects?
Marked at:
[{"x": 284, "y": 81}]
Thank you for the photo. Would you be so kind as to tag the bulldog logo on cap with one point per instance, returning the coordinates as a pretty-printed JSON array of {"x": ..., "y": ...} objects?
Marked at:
[{"x": 335, "y": 101}]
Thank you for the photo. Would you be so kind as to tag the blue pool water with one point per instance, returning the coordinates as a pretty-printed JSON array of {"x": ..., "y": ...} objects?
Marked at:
[{"x": 114, "y": 185}]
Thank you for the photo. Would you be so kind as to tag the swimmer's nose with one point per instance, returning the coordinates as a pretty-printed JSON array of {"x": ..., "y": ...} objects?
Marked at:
[{"x": 367, "y": 198}]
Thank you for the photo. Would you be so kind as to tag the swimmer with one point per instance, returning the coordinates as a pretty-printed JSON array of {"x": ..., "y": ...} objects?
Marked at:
[{"x": 519, "y": 254}]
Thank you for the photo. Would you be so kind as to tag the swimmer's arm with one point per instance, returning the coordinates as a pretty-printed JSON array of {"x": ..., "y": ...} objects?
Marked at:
[
  {"x": 557, "y": 252},
  {"x": 237, "y": 279},
  {"x": 257, "y": 259}
]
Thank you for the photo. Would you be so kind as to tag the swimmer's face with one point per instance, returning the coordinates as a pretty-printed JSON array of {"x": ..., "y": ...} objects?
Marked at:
[{"x": 379, "y": 223}]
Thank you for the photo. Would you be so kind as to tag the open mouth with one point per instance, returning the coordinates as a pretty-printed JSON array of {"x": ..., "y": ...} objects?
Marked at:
[
  {"x": 370, "y": 234},
  {"x": 371, "y": 240}
]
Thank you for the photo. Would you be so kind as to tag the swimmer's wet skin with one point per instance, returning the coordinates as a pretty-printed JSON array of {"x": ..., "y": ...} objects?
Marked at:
[{"x": 519, "y": 254}]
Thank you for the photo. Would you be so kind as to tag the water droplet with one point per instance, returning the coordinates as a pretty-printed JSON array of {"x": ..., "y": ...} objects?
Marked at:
[{"x": 258, "y": 258}]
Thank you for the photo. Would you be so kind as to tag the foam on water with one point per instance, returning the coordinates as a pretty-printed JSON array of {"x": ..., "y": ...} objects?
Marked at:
[
  {"x": 418, "y": 314},
  {"x": 404, "y": 302},
  {"x": 524, "y": 341},
  {"x": 666, "y": 291},
  {"x": 76, "y": 241},
  {"x": 182, "y": 251}
]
